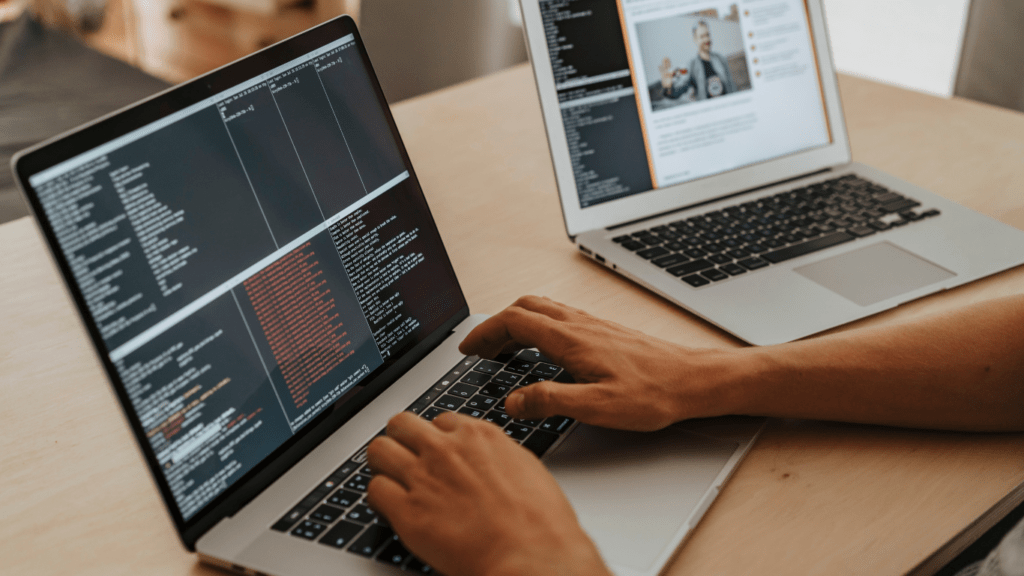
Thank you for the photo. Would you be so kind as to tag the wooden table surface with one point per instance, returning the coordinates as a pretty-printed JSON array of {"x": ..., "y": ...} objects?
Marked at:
[{"x": 811, "y": 497}]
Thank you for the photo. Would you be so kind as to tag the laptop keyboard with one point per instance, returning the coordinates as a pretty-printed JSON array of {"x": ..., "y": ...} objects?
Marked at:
[
  {"x": 724, "y": 243},
  {"x": 336, "y": 514}
]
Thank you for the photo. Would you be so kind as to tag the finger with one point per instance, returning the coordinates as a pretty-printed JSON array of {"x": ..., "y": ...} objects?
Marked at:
[
  {"x": 583, "y": 402},
  {"x": 450, "y": 421},
  {"x": 390, "y": 458},
  {"x": 548, "y": 307},
  {"x": 517, "y": 325},
  {"x": 386, "y": 496},
  {"x": 413, "y": 432}
]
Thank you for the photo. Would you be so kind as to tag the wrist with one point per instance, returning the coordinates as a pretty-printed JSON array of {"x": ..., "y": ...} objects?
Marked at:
[{"x": 726, "y": 382}]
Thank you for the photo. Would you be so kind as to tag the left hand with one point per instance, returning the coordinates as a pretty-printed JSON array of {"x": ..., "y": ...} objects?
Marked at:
[{"x": 469, "y": 501}]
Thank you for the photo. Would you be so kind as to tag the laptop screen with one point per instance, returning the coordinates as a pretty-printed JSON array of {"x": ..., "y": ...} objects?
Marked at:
[
  {"x": 655, "y": 93},
  {"x": 250, "y": 261}
]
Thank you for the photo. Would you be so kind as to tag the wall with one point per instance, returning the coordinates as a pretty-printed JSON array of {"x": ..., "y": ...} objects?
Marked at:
[{"x": 911, "y": 43}]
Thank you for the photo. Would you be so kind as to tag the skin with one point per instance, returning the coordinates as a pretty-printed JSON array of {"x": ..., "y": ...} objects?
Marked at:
[
  {"x": 702, "y": 38},
  {"x": 961, "y": 370}
]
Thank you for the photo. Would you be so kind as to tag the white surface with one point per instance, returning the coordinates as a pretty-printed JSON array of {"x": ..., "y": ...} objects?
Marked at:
[{"x": 910, "y": 43}]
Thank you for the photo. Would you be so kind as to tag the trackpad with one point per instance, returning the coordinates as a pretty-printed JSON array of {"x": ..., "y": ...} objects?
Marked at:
[
  {"x": 874, "y": 273},
  {"x": 634, "y": 491}
]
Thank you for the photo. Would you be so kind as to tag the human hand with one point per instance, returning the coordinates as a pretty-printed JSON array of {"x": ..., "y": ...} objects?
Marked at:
[
  {"x": 469, "y": 501},
  {"x": 626, "y": 379},
  {"x": 666, "y": 73}
]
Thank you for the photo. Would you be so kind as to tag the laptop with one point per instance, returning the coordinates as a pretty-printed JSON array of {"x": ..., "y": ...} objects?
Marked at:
[
  {"x": 700, "y": 150},
  {"x": 258, "y": 271}
]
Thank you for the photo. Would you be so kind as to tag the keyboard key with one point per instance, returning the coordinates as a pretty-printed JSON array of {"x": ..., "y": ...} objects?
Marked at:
[
  {"x": 517, "y": 431},
  {"x": 691, "y": 267},
  {"x": 488, "y": 366},
  {"x": 621, "y": 239},
  {"x": 499, "y": 418},
  {"x": 633, "y": 245},
  {"x": 539, "y": 442},
  {"x": 564, "y": 378},
  {"x": 326, "y": 514},
  {"x": 531, "y": 379},
  {"x": 430, "y": 413},
  {"x": 899, "y": 205},
  {"x": 733, "y": 269},
  {"x": 449, "y": 402},
  {"x": 753, "y": 263},
  {"x": 546, "y": 370},
  {"x": 888, "y": 197},
  {"x": 652, "y": 252},
  {"x": 532, "y": 356},
  {"x": 695, "y": 253},
  {"x": 344, "y": 498},
  {"x": 361, "y": 514},
  {"x": 719, "y": 258},
  {"x": 714, "y": 274},
  {"x": 308, "y": 530},
  {"x": 417, "y": 566},
  {"x": 861, "y": 231},
  {"x": 807, "y": 247},
  {"x": 507, "y": 378},
  {"x": 394, "y": 553},
  {"x": 289, "y": 519},
  {"x": 345, "y": 471},
  {"x": 495, "y": 390},
  {"x": 557, "y": 424},
  {"x": 375, "y": 537},
  {"x": 532, "y": 423},
  {"x": 358, "y": 483},
  {"x": 475, "y": 378},
  {"x": 696, "y": 280},
  {"x": 463, "y": 390},
  {"x": 519, "y": 366},
  {"x": 480, "y": 402},
  {"x": 670, "y": 260},
  {"x": 341, "y": 534},
  {"x": 472, "y": 412},
  {"x": 880, "y": 226}
]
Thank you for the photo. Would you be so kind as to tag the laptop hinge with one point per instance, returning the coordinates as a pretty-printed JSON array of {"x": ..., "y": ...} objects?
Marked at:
[{"x": 718, "y": 199}]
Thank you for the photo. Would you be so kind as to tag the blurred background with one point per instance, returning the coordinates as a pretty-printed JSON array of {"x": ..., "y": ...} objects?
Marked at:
[{"x": 63, "y": 62}]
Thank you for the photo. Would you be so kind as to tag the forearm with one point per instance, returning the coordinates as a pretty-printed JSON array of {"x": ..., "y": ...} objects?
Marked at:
[{"x": 962, "y": 370}]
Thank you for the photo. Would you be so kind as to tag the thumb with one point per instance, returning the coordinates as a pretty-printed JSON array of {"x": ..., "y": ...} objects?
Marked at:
[{"x": 544, "y": 399}]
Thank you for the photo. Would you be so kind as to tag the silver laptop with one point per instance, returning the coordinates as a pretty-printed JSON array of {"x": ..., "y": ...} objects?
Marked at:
[
  {"x": 258, "y": 271},
  {"x": 700, "y": 150}
]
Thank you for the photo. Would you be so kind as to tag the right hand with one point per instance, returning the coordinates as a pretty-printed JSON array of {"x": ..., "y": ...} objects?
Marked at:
[
  {"x": 626, "y": 379},
  {"x": 666, "y": 73},
  {"x": 470, "y": 501}
]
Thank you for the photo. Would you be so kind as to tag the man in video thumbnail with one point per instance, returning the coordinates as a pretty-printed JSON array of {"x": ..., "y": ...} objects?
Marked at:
[{"x": 708, "y": 75}]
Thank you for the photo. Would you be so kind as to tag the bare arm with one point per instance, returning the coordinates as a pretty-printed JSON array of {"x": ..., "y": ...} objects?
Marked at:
[{"x": 962, "y": 370}]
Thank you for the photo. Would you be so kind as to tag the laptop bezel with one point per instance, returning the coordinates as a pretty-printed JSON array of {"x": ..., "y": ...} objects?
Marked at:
[
  {"x": 646, "y": 204},
  {"x": 88, "y": 136}
]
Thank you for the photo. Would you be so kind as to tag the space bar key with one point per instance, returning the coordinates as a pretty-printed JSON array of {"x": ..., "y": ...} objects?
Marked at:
[{"x": 819, "y": 243}]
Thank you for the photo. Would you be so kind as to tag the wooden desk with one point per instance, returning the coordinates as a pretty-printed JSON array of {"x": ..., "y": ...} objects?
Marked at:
[{"x": 811, "y": 498}]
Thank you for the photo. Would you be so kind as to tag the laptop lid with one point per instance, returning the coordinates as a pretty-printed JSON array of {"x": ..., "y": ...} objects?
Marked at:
[
  {"x": 651, "y": 106},
  {"x": 253, "y": 258}
]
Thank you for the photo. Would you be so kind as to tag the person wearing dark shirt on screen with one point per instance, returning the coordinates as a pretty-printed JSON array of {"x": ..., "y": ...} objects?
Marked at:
[
  {"x": 707, "y": 77},
  {"x": 470, "y": 501}
]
